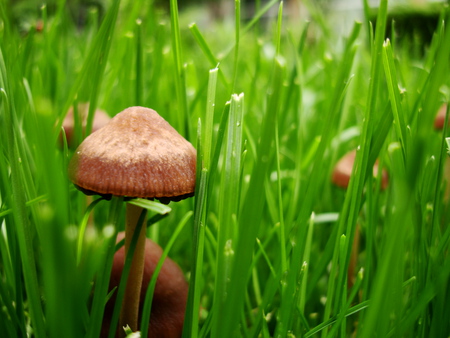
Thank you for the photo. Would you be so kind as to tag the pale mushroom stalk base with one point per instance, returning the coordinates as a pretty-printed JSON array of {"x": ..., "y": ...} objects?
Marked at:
[{"x": 130, "y": 307}]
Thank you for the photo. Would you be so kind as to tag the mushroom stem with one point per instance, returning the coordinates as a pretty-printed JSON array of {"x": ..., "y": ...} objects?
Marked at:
[{"x": 130, "y": 307}]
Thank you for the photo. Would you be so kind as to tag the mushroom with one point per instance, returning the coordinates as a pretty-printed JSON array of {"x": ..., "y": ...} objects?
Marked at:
[
  {"x": 137, "y": 154},
  {"x": 341, "y": 178},
  {"x": 343, "y": 170},
  {"x": 169, "y": 297},
  {"x": 440, "y": 117},
  {"x": 101, "y": 118}
]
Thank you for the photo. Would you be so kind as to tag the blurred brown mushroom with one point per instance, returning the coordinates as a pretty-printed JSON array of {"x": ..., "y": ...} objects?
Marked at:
[
  {"x": 137, "y": 154},
  {"x": 343, "y": 170},
  {"x": 440, "y": 117},
  {"x": 101, "y": 118},
  {"x": 341, "y": 178},
  {"x": 169, "y": 297}
]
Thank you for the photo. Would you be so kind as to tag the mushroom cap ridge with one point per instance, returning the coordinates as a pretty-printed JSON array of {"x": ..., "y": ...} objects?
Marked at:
[{"x": 137, "y": 154}]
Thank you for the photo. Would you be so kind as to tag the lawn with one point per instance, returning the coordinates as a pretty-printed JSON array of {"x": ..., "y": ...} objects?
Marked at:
[{"x": 271, "y": 99}]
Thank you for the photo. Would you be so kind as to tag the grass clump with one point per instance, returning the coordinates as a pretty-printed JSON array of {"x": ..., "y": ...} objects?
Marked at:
[{"x": 271, "y": 103}]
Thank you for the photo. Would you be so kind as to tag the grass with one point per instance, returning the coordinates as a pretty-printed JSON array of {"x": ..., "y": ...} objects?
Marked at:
[{"x": 271, "y": 104}]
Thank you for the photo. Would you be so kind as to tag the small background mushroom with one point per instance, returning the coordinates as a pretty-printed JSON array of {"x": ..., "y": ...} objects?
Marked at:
[{"x": 101, "y": 118}]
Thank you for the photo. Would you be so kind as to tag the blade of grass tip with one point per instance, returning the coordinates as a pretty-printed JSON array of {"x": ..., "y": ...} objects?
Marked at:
[
  {"x": 20, "y": 212},
  {"x": 180, "y": 80},
  {"x": 204, "y": 148},
  {"x": 228, "y": 208},
  {"x": 146, "y": 311},
  {"x": 250, "y": 214}
]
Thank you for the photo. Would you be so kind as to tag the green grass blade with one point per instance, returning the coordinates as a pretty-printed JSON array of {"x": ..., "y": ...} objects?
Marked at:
[
  {"x": 228, "y": 208},
  {"x": 151, "y": 286},
  {"x": 24, "y": 232},
  {"x": 99, "y": 296},
  {"x": 156, "y": 207},
  {"x": 180, "y": 80},
  {"x": 250, "y": 216},
  {"x": 394, "y": 95},
  {"x": 204, "y": 162}
]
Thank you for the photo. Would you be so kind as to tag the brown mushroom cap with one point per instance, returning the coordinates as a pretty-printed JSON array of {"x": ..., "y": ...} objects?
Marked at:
[
  {"x": 101, "y": 118},
  {"x": 169, "y": 297},
  {"x": 343, "y": 170},
  {"x": 440, "y": 117},
  {"x": 137, "y": 154}
]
